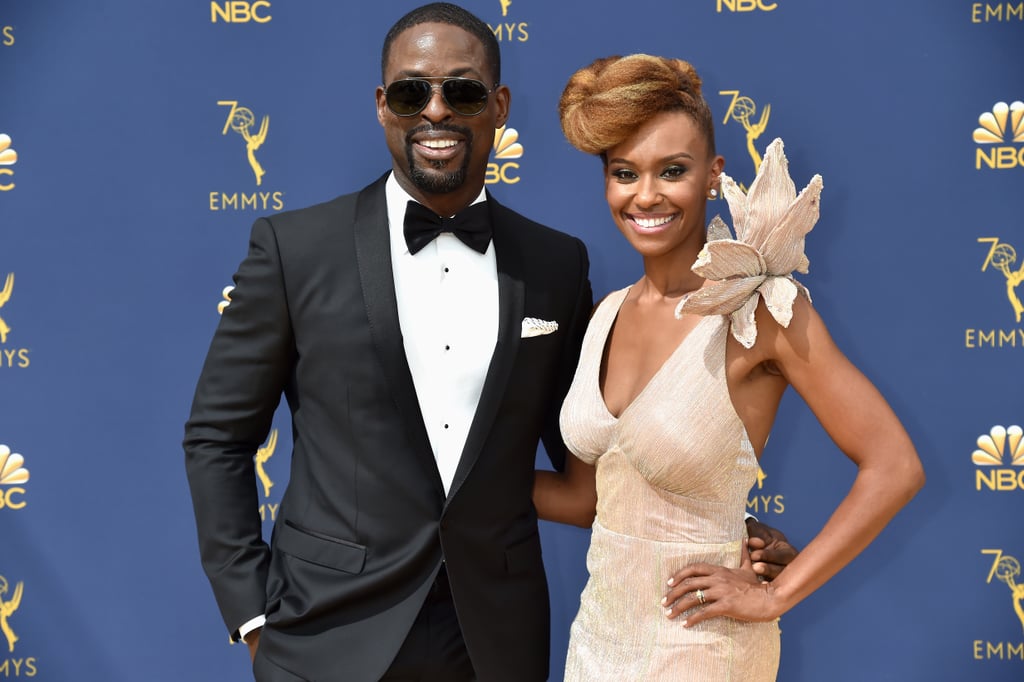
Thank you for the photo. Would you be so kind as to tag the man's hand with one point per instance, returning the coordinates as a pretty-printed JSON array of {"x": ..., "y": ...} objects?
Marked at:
[
  {"x": 769, "y": 549},
  {"x": 252, "y": 640}
]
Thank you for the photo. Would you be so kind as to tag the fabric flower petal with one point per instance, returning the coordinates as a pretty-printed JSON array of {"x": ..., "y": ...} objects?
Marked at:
[
  {"x": 770, "y": 223},
  {"x": 717, "y": 229},
  {"x": 720, "y": 298},
  {"x": 783, "y": 249},
  {"x": 770, "y": 195},
  {"x": 728, "y": 258},
  {"x": 744, "y": 326},
  {"x": 737, "y": 201},
  {"x": 779, "y": 294}
]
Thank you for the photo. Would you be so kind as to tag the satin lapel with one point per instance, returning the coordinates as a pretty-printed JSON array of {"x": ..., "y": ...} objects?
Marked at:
[
  {"x": 373, "y": 255},
  {"x": 509, "y": 257}
]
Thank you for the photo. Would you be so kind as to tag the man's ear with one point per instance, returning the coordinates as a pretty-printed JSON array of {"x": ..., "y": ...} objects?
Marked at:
[
  {"x": 382, "y": 105},
  {"x": 503, "y": 100}
]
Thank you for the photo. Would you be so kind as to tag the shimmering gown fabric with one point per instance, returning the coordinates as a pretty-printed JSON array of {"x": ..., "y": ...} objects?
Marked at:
[{"x": 673, "y": 474}]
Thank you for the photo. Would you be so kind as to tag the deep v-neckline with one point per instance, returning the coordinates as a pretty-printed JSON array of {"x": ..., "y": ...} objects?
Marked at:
[{"x": 654, "y": 377}]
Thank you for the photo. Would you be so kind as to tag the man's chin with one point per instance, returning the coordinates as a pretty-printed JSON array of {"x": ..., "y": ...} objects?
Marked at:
[{"x": 433, "y": 181}]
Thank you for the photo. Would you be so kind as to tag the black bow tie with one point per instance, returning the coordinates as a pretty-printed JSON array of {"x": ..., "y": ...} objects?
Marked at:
[{"x": 472, "y": 225}]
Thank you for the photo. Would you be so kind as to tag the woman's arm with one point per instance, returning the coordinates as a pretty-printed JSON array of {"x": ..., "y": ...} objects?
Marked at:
[
  {"x": 864, "y": 427},
  {"x": 569, "y": 497}
]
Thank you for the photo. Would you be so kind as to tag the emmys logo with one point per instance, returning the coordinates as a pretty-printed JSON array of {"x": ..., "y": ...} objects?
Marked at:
[
  {"x": 1005, "y": 569},
  {"x": 8, "y": 605},
  {"x": 9, "y": 357},
  {"x": 7, "y": 36},
  {"x": 1001, "y": 257},
  {"x": 8, "y": 157},
  {"x": 5, "y": 295},
  {"x": 241, "y": 120},
  {"x": 994, "y": 449},
  {"x": 10, "y": 601},
  {"x": 13, "y": 475},
  {"x": 507, "y": 32},
  {"x": 984, "y": 12},
  {"x": 743, "y": 110},
  {"x": 240, "y": 12},
  {"x": 746, "y": 5},
  {"x": 765, "y": 504},
  {"x": 506, "y": 147},
  {"x": 1002, "y": 125},
  {"x": 263, "y": 455},
  {"x": 226, "y": 295}
]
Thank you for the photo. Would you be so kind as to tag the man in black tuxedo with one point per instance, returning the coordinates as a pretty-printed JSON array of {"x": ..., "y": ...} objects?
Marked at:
[{"x": 421, "y": 370}]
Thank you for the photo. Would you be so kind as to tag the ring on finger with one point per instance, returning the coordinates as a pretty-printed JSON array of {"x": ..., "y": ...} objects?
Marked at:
[{"x": 700, "y": 597}]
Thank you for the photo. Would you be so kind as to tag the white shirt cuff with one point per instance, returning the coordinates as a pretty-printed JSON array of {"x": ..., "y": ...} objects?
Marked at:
[{"x": 251, "y": 625}]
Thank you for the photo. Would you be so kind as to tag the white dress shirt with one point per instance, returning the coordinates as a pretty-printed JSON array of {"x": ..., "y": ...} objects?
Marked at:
[{"x": 448, "y": 311}]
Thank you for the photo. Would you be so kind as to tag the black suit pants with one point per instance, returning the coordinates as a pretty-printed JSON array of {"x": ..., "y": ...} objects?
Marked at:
[{"x": 434, "y": 650}]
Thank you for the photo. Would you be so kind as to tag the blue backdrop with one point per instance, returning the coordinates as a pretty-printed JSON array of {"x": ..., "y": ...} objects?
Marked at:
[{"x": 139, "y": 140}]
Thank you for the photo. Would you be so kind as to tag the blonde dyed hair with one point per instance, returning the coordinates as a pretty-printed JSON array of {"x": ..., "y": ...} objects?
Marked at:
[{"x": 604, "y": 103}]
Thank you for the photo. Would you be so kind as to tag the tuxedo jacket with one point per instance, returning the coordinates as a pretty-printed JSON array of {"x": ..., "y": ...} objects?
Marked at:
[{"x": 365, "y": 523}]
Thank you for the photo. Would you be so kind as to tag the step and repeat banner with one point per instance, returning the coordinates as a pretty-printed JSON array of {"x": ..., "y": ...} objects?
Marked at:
[{"x": 139, "y": 140}]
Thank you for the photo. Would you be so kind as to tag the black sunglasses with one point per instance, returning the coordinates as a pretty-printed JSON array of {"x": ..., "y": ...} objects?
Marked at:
[{"x": 410, "y": 96}]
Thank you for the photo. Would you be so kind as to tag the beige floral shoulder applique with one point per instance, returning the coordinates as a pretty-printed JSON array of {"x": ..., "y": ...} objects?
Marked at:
[{"x": 771, "y": 221}]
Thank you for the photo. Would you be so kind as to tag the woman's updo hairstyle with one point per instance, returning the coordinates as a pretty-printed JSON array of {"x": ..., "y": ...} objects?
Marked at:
[{"x": 604, "y": 103}]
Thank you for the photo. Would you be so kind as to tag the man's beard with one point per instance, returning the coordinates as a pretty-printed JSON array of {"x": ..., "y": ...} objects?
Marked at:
[{"x": 440, "y": 181}]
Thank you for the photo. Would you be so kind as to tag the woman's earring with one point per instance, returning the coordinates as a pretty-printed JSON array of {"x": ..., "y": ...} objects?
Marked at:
[{"x": 712, "y": 193}]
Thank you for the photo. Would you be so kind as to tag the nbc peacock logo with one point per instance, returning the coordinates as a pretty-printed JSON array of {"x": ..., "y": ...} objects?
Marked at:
[
  {"x": 998, "y": 131},
  {"x": 507, "y": 149},
  {"x": 225, "y": 301},
  {"x": 13, "y": 477},
  {"x": 8, "y": 157},
  {"x": 1000, "y": 459}
]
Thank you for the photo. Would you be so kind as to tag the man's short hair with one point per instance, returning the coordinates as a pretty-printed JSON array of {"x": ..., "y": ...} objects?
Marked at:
[{"x": 453, "y": 15}]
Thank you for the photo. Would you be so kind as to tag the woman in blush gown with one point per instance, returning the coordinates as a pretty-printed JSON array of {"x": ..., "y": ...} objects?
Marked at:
[{"x": 678, "y": 384}]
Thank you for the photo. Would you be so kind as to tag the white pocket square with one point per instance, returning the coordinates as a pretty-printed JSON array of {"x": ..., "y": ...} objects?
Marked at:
[{"x": 533, "y": 326}]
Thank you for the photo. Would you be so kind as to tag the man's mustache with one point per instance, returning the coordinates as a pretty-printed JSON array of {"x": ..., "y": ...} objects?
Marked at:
[{"x": 439, "y": 127}]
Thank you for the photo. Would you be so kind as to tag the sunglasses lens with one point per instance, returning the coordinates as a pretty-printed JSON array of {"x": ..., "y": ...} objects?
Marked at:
[
  {"x": 408, "y": 97},
  {"x": 466, "y": 96}
]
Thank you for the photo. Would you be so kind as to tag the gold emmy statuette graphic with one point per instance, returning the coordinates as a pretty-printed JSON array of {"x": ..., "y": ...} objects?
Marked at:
[
  {"x": 5, "y": 295},
  {"x": 1007, "y": 569},
  {"x": 9, "y": 606},
  {"x": 262, "y": 455},
  {"x": 241, "y": 120},
  {"x": 226, "y": 295},
  {"x": 741, "y": 110},
  {"x": 1001, "y": 256},
  {"x": 761, "y": 475},
  {"x": 504, "y": 7}
]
